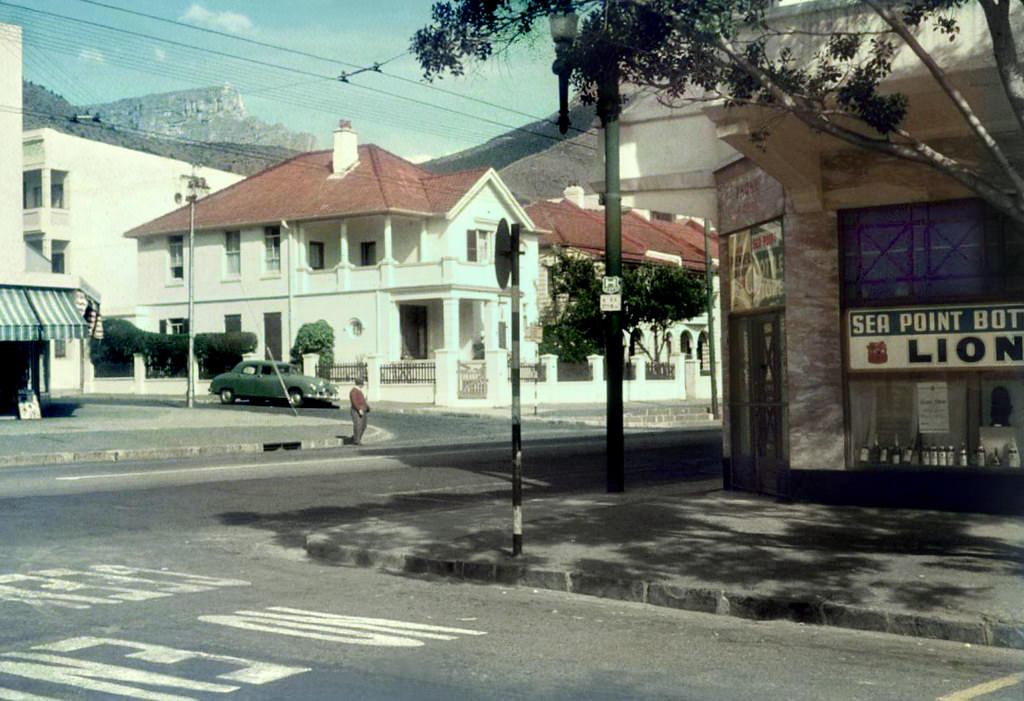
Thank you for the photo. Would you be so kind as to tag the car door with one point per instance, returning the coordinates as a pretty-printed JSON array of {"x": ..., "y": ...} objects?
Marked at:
[
  {"x": 269, "y": 386},
  {"x": 244, "y": 381}
]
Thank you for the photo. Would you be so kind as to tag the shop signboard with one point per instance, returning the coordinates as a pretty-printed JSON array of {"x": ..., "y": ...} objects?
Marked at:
[
  {"x": 756, "y": 267},
  {"x": 936, "y": 337}
]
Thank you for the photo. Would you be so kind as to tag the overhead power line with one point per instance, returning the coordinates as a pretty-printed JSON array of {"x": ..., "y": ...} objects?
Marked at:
[{"x": 419, "y": 123}]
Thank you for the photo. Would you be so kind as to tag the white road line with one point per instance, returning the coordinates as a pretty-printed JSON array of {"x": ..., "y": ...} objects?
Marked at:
[
  {"x": 982, "y": 689},
  {"x": 219, "y": 468}
]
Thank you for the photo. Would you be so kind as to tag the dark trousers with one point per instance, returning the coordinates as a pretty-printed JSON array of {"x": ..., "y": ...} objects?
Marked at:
[{"x": 358, "y": 426}]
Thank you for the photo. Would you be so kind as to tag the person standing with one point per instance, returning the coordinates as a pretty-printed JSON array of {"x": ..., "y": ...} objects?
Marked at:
[{"x": 360, "y": 408}]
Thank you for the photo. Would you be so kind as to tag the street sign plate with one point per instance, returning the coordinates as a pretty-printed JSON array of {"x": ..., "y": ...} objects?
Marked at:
[
  {"x": 502, "y": 254},
  {"x": 611, "y": 303},
  {"x": 611, "y": 285}
]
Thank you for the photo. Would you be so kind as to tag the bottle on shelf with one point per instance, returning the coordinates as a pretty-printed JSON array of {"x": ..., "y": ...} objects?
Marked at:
[
  {"x": 929, "y": 455},
  {"x": 895, "y": 453},
  {"x": 979, "y": 456},
  {"x": 875, "y": 452},
  {"x": 864, "y": 457},
  {"x": 940, "y": 456},
  {"x": 1012, "y": 454},
  {"x": 883, "y": 454},
  {"x": 962, "y": 458}
]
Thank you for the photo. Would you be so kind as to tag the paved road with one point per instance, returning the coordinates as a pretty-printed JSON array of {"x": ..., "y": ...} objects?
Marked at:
[{"x": 156, "y": 584}]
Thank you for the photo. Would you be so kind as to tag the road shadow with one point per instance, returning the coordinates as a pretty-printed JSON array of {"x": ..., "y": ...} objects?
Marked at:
[{"x": 924, "y": 561}]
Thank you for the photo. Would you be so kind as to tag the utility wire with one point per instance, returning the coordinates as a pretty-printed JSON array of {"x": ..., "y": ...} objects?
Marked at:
[
  {"x": 375, "y": 67},
  {"x": 297, "y": 71}
]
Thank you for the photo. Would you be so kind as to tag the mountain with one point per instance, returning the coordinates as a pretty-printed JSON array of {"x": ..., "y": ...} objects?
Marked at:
[
  {"x": 214, "y": 114},
  {"x": 44, "y": 108},
  {"x": 535, "y": 161}
]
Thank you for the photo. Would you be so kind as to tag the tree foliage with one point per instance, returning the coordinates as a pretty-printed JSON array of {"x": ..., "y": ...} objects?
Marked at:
[
  {"x": 314, "y": 337},
  {"x": 654, "y": 297},
  {"x": 833, "y": 81}
]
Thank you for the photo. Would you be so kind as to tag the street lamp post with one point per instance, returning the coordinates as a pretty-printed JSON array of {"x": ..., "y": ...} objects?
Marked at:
[
  {"x": 195, "y": 186},
  {"x": 563, "y": 32}
]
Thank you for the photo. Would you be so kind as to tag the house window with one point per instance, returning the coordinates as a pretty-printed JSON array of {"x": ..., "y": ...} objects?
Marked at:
[
  {"x": 174, "y": 327},
  {"x": 272, "y": 249},
  {"x": 60, "y": 348},
  {"x": 57, "y": 262},
  {"x": 57, "y": 195},
  {"x": 176, "y": 253},
  {"x": 232, "y": 253},
  {"x": 316, "y": 255},
  {"x": 476, "y": 246},
  {"x": 34, "y": 197},
  {"x": 232, "y": 323},
  {"x": 368, "y": 253}
]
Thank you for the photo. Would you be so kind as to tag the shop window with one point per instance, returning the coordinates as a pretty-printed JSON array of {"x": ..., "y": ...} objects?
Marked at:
[
  {"x": 60, "y": 348},
  {"x": 929, "y": 251},
  {"x": 944, "y": 421}
]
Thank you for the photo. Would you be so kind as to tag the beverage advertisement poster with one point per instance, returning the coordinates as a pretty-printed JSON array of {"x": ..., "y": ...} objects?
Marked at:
[{"x": 756, "y": 266}]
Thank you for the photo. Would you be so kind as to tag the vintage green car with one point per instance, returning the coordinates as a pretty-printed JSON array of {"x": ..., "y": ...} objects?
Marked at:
[{"x": 265, "y": 379}]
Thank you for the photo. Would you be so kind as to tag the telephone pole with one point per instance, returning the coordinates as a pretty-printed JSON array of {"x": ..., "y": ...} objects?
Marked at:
[{"x": 195, "y": 187}]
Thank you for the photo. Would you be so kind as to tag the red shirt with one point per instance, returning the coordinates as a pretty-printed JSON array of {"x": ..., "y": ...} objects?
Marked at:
[{"x": 358, "y": 400}]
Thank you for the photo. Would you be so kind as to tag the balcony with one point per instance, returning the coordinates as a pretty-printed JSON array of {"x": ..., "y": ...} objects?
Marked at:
[
  {"x": 53, "y": 223},
  {"x": 408, "y": 275}
]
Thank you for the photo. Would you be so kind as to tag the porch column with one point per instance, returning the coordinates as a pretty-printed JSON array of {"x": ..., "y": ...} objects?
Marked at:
[
  {"x": 387, "y": 272},
  {"x": 395, "y": 333},
  {"x": 343, "y": 266},
  {"x": 451, "y": 324},
  {"x": 45, "y": 177},
  {"x": 491, "y": 325}
]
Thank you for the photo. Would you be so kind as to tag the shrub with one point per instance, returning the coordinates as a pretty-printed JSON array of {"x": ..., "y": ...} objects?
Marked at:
[
  {"x": 219, "y": 352},
  {"x": 315, "y": 337}
]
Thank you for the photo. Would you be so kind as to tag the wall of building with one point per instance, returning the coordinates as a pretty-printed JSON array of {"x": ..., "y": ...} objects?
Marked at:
[{"x": 10, "y": 150}]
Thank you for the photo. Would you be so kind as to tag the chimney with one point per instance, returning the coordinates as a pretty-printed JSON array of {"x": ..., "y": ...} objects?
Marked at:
[
  {"x": 574, "y": 194},
  {"x": 346, "y": 147}
]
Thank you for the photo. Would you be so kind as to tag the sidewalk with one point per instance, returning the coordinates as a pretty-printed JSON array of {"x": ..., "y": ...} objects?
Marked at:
[
  {"x": 691, "y": 545},
  {"x": 683, "y": 544}
]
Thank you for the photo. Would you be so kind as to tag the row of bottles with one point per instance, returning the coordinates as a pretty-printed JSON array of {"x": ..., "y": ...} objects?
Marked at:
[{"x": 922, "y": 453}]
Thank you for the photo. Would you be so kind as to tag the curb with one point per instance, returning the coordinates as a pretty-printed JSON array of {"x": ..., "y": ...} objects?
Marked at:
[
  {"x": 811, "y": 610},
  {"x": 125, "y": 454}
]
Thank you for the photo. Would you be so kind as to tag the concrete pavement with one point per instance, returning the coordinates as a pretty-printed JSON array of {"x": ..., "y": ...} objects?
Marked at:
[{"x": 684, "y": 543}]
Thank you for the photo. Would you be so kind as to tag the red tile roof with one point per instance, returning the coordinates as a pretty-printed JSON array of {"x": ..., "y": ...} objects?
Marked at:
[
  {"x": 303, "y": 188},
  {"x": 565, "y": 224}
]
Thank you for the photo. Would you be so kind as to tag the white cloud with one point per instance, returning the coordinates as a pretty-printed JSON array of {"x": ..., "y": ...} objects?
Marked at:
[
  {"x": 159, "y": 54},
  {"x": 92, "y": 55},
  {"x": 232, "y": 22}
]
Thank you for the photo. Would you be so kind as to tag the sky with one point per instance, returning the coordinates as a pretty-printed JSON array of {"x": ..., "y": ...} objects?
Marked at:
[{"x": 286, "y": 61}]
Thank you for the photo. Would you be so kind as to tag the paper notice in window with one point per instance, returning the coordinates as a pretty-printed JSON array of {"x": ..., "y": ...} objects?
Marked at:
[{"x": 932, "y": 407}]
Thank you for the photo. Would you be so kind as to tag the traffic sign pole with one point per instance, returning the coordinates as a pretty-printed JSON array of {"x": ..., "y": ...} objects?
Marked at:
[{"x": 517, "y": 438}]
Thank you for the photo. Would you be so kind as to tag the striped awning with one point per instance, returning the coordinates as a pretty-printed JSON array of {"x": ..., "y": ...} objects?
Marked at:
[
  {"x": 57, "y": 315},
  {"x": 17, "y": 320}
]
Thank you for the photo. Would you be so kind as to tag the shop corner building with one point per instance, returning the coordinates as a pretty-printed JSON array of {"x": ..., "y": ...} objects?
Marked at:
[{"x": 872, "y": 309}]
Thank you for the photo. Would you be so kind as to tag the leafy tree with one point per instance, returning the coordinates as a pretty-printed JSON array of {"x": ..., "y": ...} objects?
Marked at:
[
  {"x": 219, "y": 352},
  {"x": 314, "y": 337},
  {"x": 654, "y": 297},
  {"x": 832, "y": 81}
]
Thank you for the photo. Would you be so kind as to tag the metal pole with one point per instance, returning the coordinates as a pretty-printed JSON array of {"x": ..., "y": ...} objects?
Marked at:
[
  {"x": 711, "y": 318},
  {"x": 517, "y": 438},
  {"x": 608, "y": 110},
  {"x": 191, "y": 395}
]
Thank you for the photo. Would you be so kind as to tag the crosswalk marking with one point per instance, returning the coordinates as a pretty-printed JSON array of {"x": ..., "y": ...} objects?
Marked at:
[
  {"x": 54, "y": 664},
  {"x": 351, "y": 630},
  {"x": 103, "y": 585}
]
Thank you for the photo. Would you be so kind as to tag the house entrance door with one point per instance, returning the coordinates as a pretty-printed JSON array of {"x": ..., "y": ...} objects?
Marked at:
[
  {"x": 758, "y": 404},
  {"x": 414, "y": 331}
]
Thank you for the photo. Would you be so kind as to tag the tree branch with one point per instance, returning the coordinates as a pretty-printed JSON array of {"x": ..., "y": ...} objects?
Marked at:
[{"x": 954, "y": 95}]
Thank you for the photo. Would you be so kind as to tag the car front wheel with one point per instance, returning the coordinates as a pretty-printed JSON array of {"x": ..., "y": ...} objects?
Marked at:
[
  {"x": 295, "y": 397},
  {"x": 227, "y": 396}
]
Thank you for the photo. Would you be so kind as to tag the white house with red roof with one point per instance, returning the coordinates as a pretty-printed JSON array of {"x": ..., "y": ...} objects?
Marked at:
[
  {"x": 576, "y": 223},
  {"x": 398, "y": 260}
]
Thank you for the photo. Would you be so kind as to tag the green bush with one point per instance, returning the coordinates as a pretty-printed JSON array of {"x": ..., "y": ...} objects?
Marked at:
[
  {"x": 316, "y": 337},
  {"x": 167, "y": 356},
  {"x": 219, "y": 352}
]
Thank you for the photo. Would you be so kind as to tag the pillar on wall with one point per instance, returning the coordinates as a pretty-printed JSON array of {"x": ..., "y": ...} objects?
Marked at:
[
  {"x": 678, "y": 361},
  {"x": 373, "y": 363},
  {"x": 637, "y": 388},
  {"x": 499, "y": 388},
  {"x": 139, "y": 373},
  {"x": 597, "y": 374},
  {"x": 446, "y": 374},
  {"x": 310, "y": 361}
]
